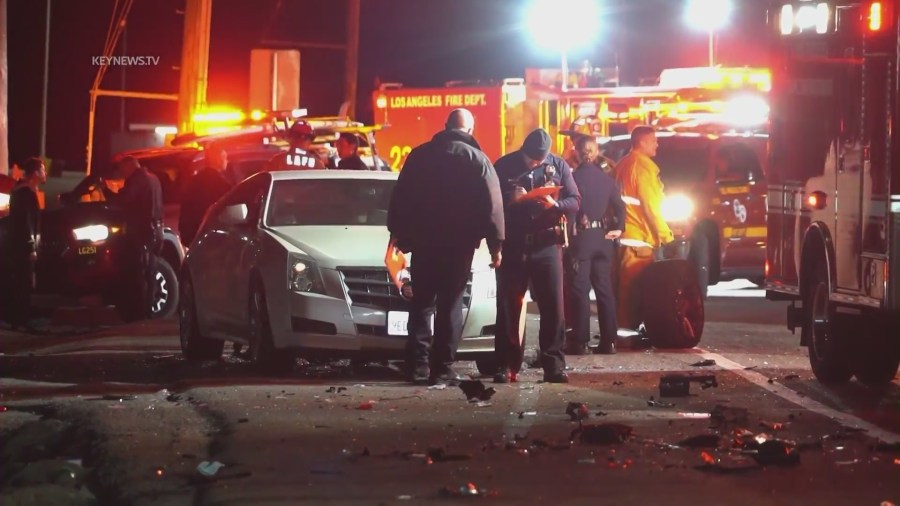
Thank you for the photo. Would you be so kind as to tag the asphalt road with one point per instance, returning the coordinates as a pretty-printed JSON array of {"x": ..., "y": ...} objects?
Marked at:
[{"x": 352, "y": 434}]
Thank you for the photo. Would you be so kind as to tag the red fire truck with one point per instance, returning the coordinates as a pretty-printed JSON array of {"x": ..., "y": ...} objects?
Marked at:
[
  {"x": 833, "y": 246},
  {"x": 412, "y": 116}
]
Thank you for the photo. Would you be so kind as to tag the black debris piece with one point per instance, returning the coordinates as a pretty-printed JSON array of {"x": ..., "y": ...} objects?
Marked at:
[
  {"x": 704, "y": 363},
  {"x": 476, "y": 391},
  {"x": 752, "y": 367},
  {"x": 618, "y": 383},
  {"x": 577, "y": 411},
  {"x": 602, "y": 434},
  {"x": 469, "y": 490},
  {"x": 792, "y": 376},
  {"x": 727, "y": 415},
  {"x": 173, "y": 397},
  {"x": 243, "y": 420},
  {"x": 777, "y": 452},
  {"x": 335, "y": 390},
  {"x": 439, "y": 455},
  {"x": 679, "y": 385},
  {"x": 365, "y": 452},
  {"x": 701, "y": 441},
  {"x": 653, "y": 403}
]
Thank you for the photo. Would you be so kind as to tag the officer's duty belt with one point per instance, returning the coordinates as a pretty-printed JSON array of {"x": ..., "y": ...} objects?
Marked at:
[
  {"x": 590, "y": 224},
  {"x": 544, "y": 237}
]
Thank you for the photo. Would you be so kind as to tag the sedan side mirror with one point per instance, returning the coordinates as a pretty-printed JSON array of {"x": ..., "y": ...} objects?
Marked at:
[{"x": 236, "y": 214}]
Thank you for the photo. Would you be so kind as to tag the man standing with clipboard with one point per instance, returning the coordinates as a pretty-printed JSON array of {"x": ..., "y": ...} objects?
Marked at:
[{"x": 538, "y": 191}]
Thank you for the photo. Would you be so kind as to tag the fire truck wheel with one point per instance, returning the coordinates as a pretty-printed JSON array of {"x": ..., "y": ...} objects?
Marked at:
[
  {"x": 877, "y": 362},
  {"x": 194, "y": 346},
  {"x": 672, "y": 304},
  {"x": 828, "y": 345},
  {"x": 699, "y": 256}
]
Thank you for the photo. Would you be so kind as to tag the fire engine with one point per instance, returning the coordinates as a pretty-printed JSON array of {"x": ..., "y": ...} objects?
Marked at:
[
  {"x": 413, "y": 115},
  {"x": 833, "y": 245}
]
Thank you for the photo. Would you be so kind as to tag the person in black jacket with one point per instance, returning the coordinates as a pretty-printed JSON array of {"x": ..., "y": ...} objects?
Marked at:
[
  {"x": 347, "y": 147},
  {"x": 23, "y": 238},
  {"x": 535, "y": 236},
  {"x": 597, "y": 224},
  {"x": 202, "y": 191},
  {"x": 447, "y": 200},
  {"x": 140, "y": 200}
]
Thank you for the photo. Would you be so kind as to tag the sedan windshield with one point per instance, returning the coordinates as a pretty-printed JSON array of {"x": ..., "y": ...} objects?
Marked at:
[{"x": 303, "y": 202}]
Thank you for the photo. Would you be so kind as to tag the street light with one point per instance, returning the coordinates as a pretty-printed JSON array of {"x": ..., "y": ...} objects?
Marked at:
[
  {"x": 580, "y": 19},
  {"x": 708, "y": 15}
]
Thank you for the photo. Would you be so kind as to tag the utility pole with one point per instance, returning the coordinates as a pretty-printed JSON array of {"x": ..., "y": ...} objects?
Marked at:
[
  {"x": 43, "y": 147},
  {"x": 194, "y": 62},
  {"x": 4, "y": 79},
  {"x": 351, "y": 60}
]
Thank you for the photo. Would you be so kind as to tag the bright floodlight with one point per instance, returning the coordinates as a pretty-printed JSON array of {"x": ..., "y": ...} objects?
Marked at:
[
  {"x": 579, "y": 17},
  {"x": 707, "y": 15}
]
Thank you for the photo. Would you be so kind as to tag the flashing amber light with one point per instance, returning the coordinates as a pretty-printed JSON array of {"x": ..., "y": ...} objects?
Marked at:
[
  {"x": 381, "y": 102},
  {"x": 816, "y": 200},
  {"x": 257, "y": 115},
  {"x": 218, "y": 115},
  {"x": 875, "y": 16}
]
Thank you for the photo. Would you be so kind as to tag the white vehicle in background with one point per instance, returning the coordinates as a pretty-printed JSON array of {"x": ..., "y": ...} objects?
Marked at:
[{"x": 292, "y": 264}]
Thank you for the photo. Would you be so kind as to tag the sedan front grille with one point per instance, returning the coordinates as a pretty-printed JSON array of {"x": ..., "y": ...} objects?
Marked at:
[{"x": 374, "y": 288}]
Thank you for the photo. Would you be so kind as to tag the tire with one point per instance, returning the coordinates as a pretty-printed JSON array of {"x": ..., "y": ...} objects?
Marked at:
[
  {"x": 877, "y": 361},
  {"x": 194, "y": 346},
  {"x": 829, "y": 350},
  {"x": 699, "y": 256},
  {"x": 165, "y": 290},
  {"x": 263, "y": 355},
  {"x": 672, "y": 304}
]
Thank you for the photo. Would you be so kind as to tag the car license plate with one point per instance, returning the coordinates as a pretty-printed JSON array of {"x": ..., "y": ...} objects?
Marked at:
[
  {"x": 397, "y": 323},
  {"x": 87, "y": 250}
]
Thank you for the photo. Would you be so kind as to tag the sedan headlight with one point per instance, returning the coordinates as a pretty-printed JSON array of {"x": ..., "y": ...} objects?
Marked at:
[
  {"x": 303, "y": 276},
  {"x": 92, "y": 233},
  {"x": 484, "y": 285},
  {"x": 677, "y": 208}
]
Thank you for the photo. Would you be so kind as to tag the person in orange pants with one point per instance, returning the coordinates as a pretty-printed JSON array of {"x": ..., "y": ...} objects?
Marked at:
[{"x": 645, "y": 228}]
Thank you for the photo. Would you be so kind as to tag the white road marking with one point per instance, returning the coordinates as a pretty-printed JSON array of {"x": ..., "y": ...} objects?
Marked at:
[{"x": 811, "y": 405}]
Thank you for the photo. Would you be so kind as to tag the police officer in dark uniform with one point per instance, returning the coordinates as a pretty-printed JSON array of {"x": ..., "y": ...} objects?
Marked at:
[
  {"x": 21, "y": 245},
  {"x": 592, "y": 252},
  {"x": 347, "y": 147},
  {"x": 535, "y": 236},
  {"x": 300, "y": 155},
  {"x": 140, "y": 200}
]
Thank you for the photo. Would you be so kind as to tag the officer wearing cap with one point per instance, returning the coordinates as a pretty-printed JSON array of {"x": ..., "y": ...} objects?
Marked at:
[
  {"x": 535, "y": 236},
  {"x": 589, "y": 259},
  {"x": 300, "y": 156}
]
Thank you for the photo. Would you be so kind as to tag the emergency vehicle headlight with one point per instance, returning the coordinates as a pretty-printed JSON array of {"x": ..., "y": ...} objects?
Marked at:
[
  {"x": 303, "y": 276},
  {"x": 747, "y": 110},
  {"x": 93, "y": 233},
  {"x": 484, "y": 285},
  {"x": 804, "y": 18},
  {"x": 4, "y": 201},
  {"x": 677, "y": 208}
]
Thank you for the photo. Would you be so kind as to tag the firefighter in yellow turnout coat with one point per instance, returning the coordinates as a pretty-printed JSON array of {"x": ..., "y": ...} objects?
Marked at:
[{"x": 645, "y": 228}]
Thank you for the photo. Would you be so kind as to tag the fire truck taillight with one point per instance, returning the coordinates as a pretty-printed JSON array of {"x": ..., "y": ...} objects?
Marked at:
[
  {"x": 381, "y": 102},
  {"x": 875, "y": 11},
  {"x": 816, "y": 200}
]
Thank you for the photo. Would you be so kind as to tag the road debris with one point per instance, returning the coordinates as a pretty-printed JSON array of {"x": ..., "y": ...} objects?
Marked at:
[
  {"x": 366, "y": 406},
  {"x": 440, "y": 455},
  {"x": 119, "y": 398},
  {"x": 701, "y": 441},
  {"x": 772, "y": 425},
  {"x": 335, "y": 390},
  {"x": 466, "y": 491},
  {"x": 792, "y": 377},
  {"x": 679, "y": 385},
  {"x": 722, "y": 416},
  {"x": 208, "y": 469},
  {"x": 476, "y": 391},
  {"x": 602, "y": 434},
  {"x": 653, "y": 403},
  {"x": 577, "y": 411},
  {"x": 704, "y": 363},
  {"x": 438, "y": 386}
]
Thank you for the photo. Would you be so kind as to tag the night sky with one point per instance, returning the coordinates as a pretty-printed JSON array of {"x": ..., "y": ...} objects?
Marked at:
[{"x": 417, "y": 42}]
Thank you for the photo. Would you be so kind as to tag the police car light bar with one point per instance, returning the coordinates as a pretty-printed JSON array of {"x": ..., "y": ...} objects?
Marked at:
[{"x": 805, "y": 18}]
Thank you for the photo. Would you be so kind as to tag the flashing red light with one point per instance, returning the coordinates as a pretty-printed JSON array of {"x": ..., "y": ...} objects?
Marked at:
[
  {"x": 875, "y": 11},
  {"x": 766, "y": 269},
  {"x": 816, "y": 200}
]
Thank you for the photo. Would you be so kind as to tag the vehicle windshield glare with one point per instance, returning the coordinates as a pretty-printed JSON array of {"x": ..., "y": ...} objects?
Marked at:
[{"x": 323, "y": 202}]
